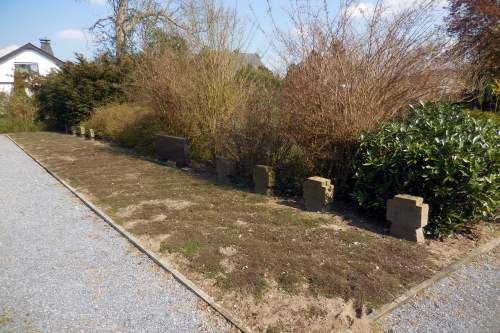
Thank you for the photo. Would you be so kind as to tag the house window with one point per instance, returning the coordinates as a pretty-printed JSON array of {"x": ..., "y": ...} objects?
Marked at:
[{"x": 26, "y": 67}]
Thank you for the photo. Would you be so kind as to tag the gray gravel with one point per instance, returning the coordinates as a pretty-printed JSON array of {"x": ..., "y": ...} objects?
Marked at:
[
  {"x": 468, "y": 300},
  {"x": 63, "y": 269}
]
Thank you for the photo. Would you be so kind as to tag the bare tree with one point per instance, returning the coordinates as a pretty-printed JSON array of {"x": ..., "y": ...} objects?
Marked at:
[
  {"x": 117, "y": 30},
  {"x": 475, "y": 24}
]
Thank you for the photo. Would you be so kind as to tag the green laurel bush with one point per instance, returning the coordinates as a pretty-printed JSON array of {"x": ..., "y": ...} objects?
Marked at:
[{"x": 440, "y": 153}]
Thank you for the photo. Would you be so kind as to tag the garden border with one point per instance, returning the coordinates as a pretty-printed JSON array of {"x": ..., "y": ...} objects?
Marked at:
[
  {"x": 374, "y": 316},
  {"x": 160, "y": 262},
  {"x": 448, "y": 270}
]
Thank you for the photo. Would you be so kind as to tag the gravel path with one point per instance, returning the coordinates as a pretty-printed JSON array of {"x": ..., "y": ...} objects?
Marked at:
[
  {"x": 468, "y": 300},
  {"x": 62, "y": 269}
]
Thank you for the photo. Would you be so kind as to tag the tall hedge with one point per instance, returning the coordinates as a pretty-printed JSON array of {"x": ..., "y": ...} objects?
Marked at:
[
  {"x": 69, "y": 95},
  {"x": 440, "y": 153}
]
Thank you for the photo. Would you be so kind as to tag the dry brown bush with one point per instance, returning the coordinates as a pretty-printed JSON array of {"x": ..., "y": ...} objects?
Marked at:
[
  {"x": 255, "y": 134},
  {"x": 196, "y": 96},
  {"x": 197, "y": 92},
  {"x": 130, "y": 125},
  {"x": 348, "y": 73}
]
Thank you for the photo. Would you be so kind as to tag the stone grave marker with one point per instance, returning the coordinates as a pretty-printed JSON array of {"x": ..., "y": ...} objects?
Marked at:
[
  {"x": 172, "y": 148},
  {"x": 81, "y": 131},
  {"x": 91, "y": 134},
  {"x": 225, "y": 169},
  {"x": 318, "y": 193},
  {"x": 408, "y": 215},
  {"x": 264, "y": 179}
]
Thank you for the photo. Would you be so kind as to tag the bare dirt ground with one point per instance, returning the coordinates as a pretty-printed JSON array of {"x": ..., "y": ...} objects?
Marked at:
[{"x": 275, "y": 266}]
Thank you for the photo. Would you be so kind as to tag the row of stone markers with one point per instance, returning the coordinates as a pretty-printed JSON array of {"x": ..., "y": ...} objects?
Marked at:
[
  {"x": 81, "y": 132},
  {"x": 407, "y": 214},
  {"x": 317, "y": 191}
]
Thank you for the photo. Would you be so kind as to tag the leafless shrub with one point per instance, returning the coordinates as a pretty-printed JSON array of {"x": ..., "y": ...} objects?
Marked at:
[
  {"x": 113, "y": 120},
  {"x": 197, "y": 92},
  {"x": 348, "y": 73},
  {"x": 255, "y": 135}
]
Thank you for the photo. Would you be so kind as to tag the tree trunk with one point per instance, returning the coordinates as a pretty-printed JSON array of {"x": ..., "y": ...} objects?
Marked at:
[{"x": 120, "y": 28}]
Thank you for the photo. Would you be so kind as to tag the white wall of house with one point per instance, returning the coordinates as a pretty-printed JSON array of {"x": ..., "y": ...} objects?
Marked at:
[{"x": 45, "y": 66}]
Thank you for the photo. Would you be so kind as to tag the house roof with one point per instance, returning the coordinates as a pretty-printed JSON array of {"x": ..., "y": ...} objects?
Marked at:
[
  {"x": 250, "y": 59},
  {"x": 31, "y": 47}
]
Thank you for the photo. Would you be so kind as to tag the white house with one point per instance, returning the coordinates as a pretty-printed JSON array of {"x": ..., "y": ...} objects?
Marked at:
[{"x": 30, "y": 58}]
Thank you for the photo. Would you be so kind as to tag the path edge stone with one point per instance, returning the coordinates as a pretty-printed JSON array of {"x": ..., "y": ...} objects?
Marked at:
[
  {"x": 445, "y": 272},
  {"x": 181, "y": 278}
]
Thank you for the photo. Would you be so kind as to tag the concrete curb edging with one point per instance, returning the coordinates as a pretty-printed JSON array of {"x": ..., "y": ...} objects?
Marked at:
[
  {"x": 412, "y": 292},
  {"x": 160, "y": 262}
]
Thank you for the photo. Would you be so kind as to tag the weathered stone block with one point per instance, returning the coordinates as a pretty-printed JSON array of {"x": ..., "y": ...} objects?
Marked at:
[
  {"x": 81, "y": 131},
  {"x": 408, "y": 215},
  {"x": 317, "y": 193},
  {"x": 74, "y": 131},
  {"x": 171, "y": 148},
  {"x": 264, "y": 179},
  {"x": 91, "y": 134},
  {"x": 225, "y": 168}
]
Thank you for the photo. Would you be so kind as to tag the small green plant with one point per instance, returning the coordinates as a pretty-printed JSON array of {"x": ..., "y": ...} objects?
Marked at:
[
  {"x": 18, "y": 111},
  {"x": 4, "y": 100},
  {"x": 440, "y": 153},
  {"x": 291, "y": 173},
  {"x": 485, "y": 115},
  {"x": 11, "y": 125},
  {"x": 4, "y": 319}
]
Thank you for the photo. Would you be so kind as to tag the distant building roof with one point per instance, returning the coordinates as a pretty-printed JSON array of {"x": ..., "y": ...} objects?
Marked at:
[
  {"x": 31, "y": 47},
  {"x": 250, "y": 59}
]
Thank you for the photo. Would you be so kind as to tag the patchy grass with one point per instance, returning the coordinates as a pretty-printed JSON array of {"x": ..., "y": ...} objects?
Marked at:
[
  {"x": 240, "y": 246},
  {"x": 4, "y": 319},
  {"x": 10, "y": 125}
]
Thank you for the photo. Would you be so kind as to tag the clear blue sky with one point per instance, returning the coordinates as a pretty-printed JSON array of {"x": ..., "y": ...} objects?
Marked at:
[{"x": 64, "y": 22}]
